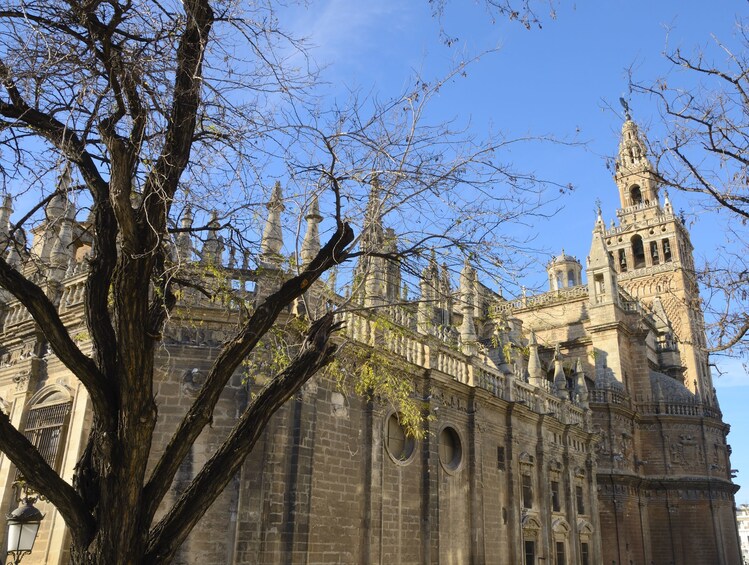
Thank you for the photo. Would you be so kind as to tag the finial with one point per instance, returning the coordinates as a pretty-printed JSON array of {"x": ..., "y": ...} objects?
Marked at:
[
  {"x": 311, "y": 242},
  {"x": 272, "y": 239},
  {"x": 213, "y": 247},
  {"x": 5, "y": 212},
  {"x": 535, "y": 372},
  {"x": 183, "y": 240},
  {"x": 560, "y": 379}
]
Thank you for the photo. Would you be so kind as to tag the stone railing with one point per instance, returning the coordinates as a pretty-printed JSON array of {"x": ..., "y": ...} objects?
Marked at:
[
  {"x": 609, "y": 396},
  {"x": 545, "y": 299},
  {"x": 650, "y": 271},
  {"x": 637, "y": 208},
  {"x": 694, "y": 409}
]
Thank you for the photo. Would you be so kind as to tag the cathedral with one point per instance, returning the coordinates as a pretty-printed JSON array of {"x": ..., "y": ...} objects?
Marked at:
[{"x": 578, "y": 426}]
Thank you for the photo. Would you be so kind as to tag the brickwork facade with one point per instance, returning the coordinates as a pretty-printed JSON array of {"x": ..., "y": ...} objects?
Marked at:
[{"x": 578, "y": 426}]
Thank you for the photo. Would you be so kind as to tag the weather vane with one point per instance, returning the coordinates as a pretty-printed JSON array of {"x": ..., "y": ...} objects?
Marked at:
[{"x": 625, "y": 105}]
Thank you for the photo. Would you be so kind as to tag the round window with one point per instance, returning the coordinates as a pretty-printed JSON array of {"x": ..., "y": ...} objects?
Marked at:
[
  {"x": 399, "y": 445},
  {"x": 451, "y": 450}
]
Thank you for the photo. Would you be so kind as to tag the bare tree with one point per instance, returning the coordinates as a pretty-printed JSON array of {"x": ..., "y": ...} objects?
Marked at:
[
  {"x": 704, "y": 104},
  {"x": 164, "y": 120}
]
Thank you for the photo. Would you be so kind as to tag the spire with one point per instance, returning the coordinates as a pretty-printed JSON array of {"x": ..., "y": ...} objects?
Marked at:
[
  {"x": 581, "y": 387},
  {"x": 638, "y": 185},
  {"x": 372, "y": 231},
  {"x": 667, "y": 203},
  {"x": 600, "y": 226},
  {"x": 213, "y": 248},
  {"x": 60, "y": 254},
  {"x": 602, "y": 277},
  {"x": 14, "y": 256},
  {"x": 428, "y": 295},
  {"x": 467, "y": 328},
  {"x": 599, "y": 255},
  {"x": 535, "y": 372},
  {"x": 184, "y": 239},
  {"x": 445, "y": 295},
  {"x": 5, "y": 212},
  {"x": 560, "y": 380},
  {"x": 370, "y": 272},
  {"x": 392, "y": 267},
  {"x": 59, "y": 205},
  {"x": 632, "y": 149},
  {"x": 425, "y": 310},
  {"x": 272, "y": 240},
  {"x": 311, "y": 243}
]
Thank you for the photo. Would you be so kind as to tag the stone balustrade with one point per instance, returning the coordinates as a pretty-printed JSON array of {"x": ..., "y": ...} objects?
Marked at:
[{"x": 551, "y": 297}]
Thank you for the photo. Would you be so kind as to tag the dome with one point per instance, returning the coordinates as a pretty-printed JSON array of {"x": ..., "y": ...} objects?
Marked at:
[
  {"x": 564, "y": 271},
  {"x": 668, "y": 389},
  {"x": 563, "y": 258}
]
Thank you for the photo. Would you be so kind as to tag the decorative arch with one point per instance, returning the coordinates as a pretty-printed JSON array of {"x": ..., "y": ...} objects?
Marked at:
[
  {"x": 561, "y": 527},
  {"x": 635, "y": 195},
  {"x": 638, "y": 251},
  {"x": 526, "y": 458},
  {"x": 530, "y": 524},
  {"x": 51, "y": 394},
  {"x": 47, "y": 420},
  {"x": 584, "y": 528}
]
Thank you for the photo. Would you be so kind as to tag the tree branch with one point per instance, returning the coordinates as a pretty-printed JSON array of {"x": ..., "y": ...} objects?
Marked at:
[
  {"x": 230, "y": 357},
  {"x": 44, "y": 479},
  {"x": 45, "y": 314},
  {"x": 162, "y": 181},
  {"x": 172, "y": 530}
]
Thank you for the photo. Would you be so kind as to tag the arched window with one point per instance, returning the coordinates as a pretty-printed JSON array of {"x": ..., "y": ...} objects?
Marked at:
[
  {"x": 666, "y": 250},
  {"x": 570, "y": 278},
  {"x": 654, "y": 252},
  {"x": 638, "y": 251},
  {"x": 46, "y": 423},
  {"x": 635, "y": 195}
]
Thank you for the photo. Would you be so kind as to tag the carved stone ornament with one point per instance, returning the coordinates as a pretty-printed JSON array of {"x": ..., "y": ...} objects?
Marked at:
[
  {"x": 22, "y": 379},
  {"x": 192, "y": 381}
]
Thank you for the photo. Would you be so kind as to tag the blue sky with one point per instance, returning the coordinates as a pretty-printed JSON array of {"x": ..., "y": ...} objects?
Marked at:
[{"x": 564, "y": 80}]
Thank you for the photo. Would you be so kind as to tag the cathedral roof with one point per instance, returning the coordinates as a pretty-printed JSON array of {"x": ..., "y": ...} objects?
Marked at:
[
  {"x": 605, "y": 379},
  {"x": 668, "y": 389}
]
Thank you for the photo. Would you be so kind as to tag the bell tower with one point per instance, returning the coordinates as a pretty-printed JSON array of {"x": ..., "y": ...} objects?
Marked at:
[{"x": 652, "y": 253}]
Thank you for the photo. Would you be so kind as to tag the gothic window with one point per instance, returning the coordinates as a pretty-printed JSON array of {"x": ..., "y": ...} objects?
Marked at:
[
  {"x": 635, "y": 195},
  {"x": 654, "y": 252},
  {"x": 560, "y": 553},
  {"x": 399, "y": 445},
  {"x": 638, "y": 251},
  {"x": 580, "y": 499},
  {"x": 527, "y": 492},
  {"x": 501, "y": 464},
  {"x": 560, "y": 284},
  {"x": 600, "y": 288},
  {"x": 570, "y": 278},
  {"x": 584, "y": 554},
  {"x": 666, "y": 250},
  {"x": 46, "y": 424},
  {"x": 622, "y": 261},
  {"x": 530, "y": 552},
  {"x": 555, "y": 501}
]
